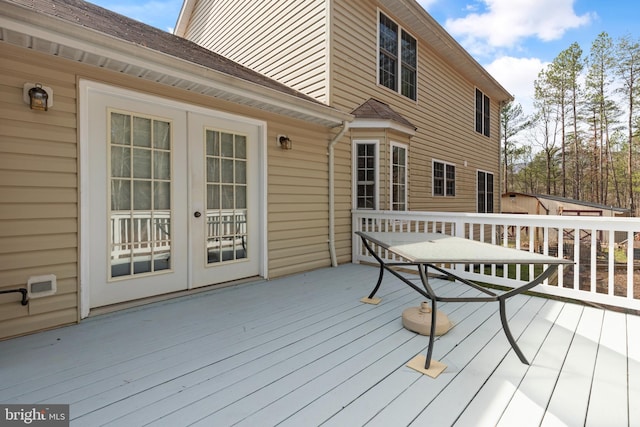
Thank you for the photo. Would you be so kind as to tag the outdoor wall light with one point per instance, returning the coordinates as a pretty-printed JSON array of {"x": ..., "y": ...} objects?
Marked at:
[
  {"x": 284, "y": 142},
  {"x": 37, "y": 96}
]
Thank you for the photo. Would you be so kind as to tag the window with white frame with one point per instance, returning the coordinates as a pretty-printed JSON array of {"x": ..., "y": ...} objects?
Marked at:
[
  {"x": 444, "y": 179},
  {"x": 483, "y": 113},
  {"x": 366, "y": 173},
  {"x": 397, "y": 58},
  {"x": 398, "y": 177},
  {"x": 485, "y": 192}
]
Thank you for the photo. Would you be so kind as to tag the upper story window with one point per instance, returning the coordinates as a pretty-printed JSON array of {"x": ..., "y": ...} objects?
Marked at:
[
  {"x": 397, "y": 58},
  {"x": 444, "y": 179},
  {"x": 398, "y": 177},
  {"x": 366, "y": 175},
  {"x": 483, "y": 121}
]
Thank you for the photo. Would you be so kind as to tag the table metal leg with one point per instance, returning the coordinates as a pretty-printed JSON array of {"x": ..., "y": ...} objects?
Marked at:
[
  {"x": 380, "y": 261},
  {"x": 434, "y": 309},
  {"x": 507, "y": 331},
  {"x": 502, "y": 299},
  {"x": 375, "y": 289}
]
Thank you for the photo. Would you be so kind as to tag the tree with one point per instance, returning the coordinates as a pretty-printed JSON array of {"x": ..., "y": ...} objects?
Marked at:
[
  {"x": 556, "y": 91},
  {"x": 547, "y": 120},
  {"x": 628, "y": 70},
  {"x": 603, "y": 111},
  {"x": 571, "y": 60},
  {"x": 512, "y": 122}
]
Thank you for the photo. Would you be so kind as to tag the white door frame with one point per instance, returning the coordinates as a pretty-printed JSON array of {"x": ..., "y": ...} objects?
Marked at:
[{"x": 86, "y": 88}]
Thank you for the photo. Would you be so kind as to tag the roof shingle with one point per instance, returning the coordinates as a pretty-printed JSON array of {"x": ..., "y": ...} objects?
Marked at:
[{"x": 374, "y": 109}]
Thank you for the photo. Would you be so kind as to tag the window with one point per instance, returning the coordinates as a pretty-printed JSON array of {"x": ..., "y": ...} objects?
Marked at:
[
  {"x": 365, "y": 176},
  {"x": 140, "y": 194},
  {"x": 398, "y": 56},
  {"x": 398, "y": 178},
  {"x": 485, "y": 192},
  {"x": 444, "y": 179},
  {"x": 483, "y": 115}
]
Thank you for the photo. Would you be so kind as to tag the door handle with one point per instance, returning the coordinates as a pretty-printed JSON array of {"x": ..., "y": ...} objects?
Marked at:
[{"x": 197, "y": 214}]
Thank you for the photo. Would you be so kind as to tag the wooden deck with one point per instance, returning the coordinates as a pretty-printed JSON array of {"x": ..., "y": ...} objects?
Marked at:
[{"x": 303, "y": 351}]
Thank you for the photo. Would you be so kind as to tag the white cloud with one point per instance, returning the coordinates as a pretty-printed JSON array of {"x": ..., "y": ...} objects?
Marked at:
[
  {"x": 517, "y": 76},
  {"x": 505, "y": 23}
]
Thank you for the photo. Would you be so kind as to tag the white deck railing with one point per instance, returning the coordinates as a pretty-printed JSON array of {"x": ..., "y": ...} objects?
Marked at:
[{"x": 603, "y": 253}]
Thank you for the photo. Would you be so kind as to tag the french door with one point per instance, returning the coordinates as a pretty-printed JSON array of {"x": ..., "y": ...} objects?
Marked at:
[
  {"x": 225, "y": 192},
  {"x": 172, "y": 198}
]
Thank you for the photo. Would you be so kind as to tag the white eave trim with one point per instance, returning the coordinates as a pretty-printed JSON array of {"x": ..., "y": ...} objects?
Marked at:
[
  {"x": 184, "y": 17},
  {"x": 381, "y": 124}
]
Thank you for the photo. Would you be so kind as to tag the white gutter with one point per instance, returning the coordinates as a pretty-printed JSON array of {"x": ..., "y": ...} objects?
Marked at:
[{"x": 332, "y": 194}]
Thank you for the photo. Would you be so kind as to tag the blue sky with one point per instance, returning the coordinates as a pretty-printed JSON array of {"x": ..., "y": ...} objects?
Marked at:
[{"x": 512, "y": 39}]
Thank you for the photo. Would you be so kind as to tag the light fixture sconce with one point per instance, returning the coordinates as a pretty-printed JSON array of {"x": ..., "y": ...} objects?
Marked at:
[
  {"x": 38, "y": 97},
  {"x": 284, "y": 142}
]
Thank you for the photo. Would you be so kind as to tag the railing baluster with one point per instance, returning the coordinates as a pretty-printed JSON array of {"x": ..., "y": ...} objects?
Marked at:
[
  {"x": 532, "y": 234},
  {"x": 630, "y": 259},
  {"x": 518, "y": 242},
  {"x": 561, "y": 254},
  {"x": 611, "y": 257},
  {"x": 592, "y": 257},
  {"x": 576, "y": 256}
]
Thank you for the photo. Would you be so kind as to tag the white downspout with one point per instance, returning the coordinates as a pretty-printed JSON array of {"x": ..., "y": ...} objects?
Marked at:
[{"x": 332, "y": 191}]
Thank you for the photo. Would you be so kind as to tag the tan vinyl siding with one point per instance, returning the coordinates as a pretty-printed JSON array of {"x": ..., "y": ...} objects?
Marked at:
[
  {"x": 298, "y": 198},
  {"x": 39, "y": 201},
  {"x": 38, "y": 190},
  {"x": 284, "y": 40},
  {"x": 443, "y": 113}
]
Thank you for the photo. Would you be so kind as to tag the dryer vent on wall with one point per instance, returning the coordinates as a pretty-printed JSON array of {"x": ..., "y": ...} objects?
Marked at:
[{"x": 41, "y": 286}]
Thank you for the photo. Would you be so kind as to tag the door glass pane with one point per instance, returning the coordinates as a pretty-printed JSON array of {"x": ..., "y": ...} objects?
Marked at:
[
  {"x": 120, "y": 129},
  {"x": 140, "y": 192},
  {"x": 120, "y": 161},
  {"x": 226, "y": 175},
  {"x": 161, "y": 135},
  {"x": 227, "y": 170},
  {"x": 141, "y": 163},
  {"x": 141, "y": 195},
  {"x": 141, "y": 132},
  {"x": 161, "y": 195},
  {"x": 120, "y": 195},
  {"x": 161, "y": 165}
]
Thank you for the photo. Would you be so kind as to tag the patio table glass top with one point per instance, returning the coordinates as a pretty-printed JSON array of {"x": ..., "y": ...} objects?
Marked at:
[{"x": 434, "y": 248}]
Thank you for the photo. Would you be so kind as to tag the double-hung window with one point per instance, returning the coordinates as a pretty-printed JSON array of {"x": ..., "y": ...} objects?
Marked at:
[
  {"x": 366, "y": 165},
  {"x": 397, "y": 58},
  {"x": 398, "y": 177},
  {"x": 485, "y": 192},
  {"x": 444, "y": 179},
  {"x": 483, "y": 113}
]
